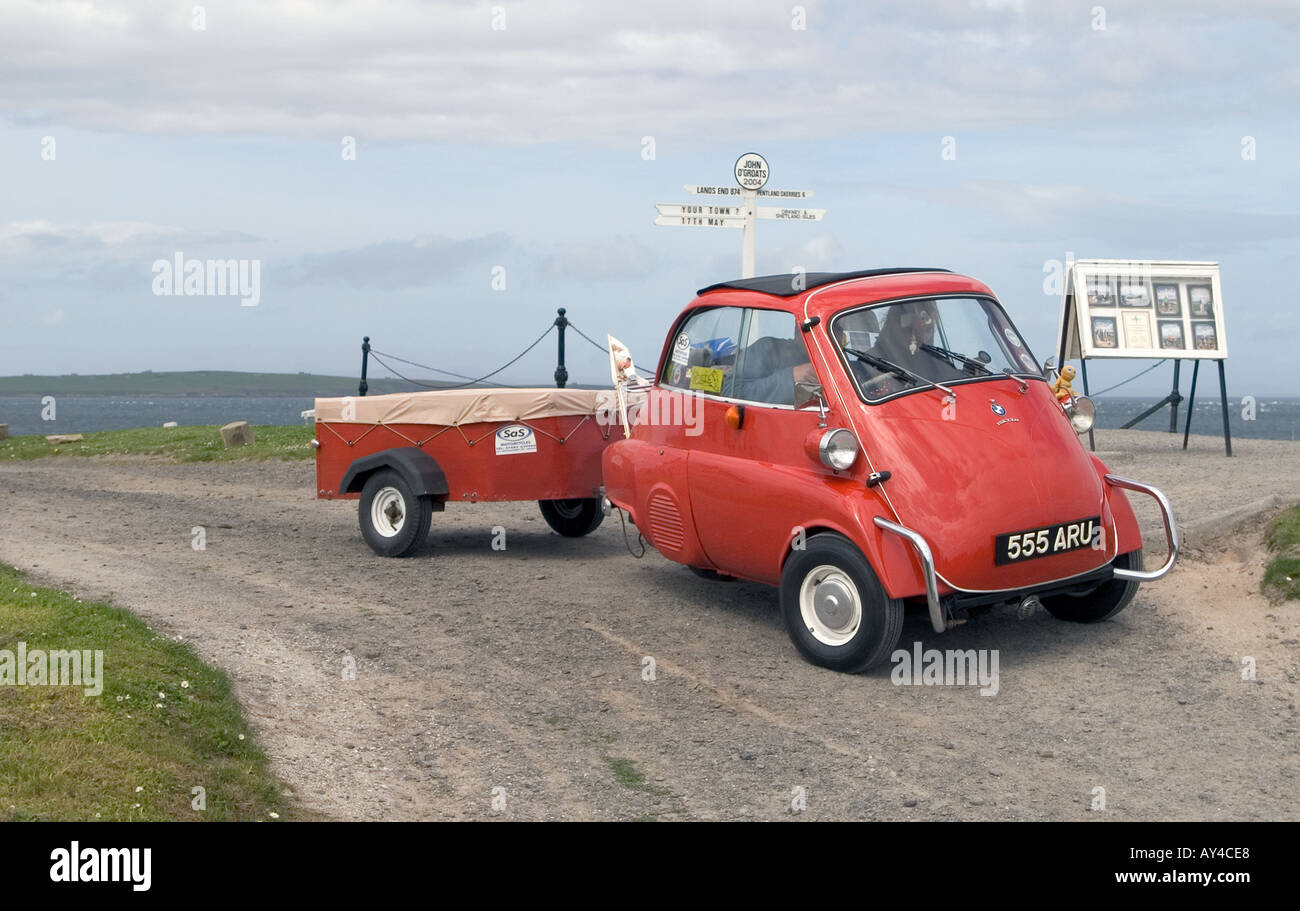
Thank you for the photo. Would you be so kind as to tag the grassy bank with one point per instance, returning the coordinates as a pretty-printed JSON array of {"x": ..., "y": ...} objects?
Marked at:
[
  {"x": 1282, "y": 575},
  {"x": 200, "y": 443},
  {"x": 164, "y": 724}
]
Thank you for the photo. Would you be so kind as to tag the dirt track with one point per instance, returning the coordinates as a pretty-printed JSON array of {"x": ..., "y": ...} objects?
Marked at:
[{"x": 480, "y": 669}]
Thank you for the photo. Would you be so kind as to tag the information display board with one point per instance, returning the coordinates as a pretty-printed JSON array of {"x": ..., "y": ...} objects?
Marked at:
[{"x": 1142, "y": 309}]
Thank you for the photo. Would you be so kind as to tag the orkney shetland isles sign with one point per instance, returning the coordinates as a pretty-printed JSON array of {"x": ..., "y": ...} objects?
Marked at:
[{"x": 751, "y": 172}]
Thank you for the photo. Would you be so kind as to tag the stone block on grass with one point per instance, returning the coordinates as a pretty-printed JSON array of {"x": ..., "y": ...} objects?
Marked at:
[{"x": 237, "y": 433}]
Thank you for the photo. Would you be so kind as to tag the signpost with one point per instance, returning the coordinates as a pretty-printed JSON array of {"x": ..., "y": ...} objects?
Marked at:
[{"x": 751, "y": 173}]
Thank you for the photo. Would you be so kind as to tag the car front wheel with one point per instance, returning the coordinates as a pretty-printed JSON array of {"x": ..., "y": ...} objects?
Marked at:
[{"x": 836, "y": 611}]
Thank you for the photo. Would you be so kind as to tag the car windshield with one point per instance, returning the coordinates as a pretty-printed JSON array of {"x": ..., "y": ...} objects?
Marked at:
[{"x": 908, "y": 345}]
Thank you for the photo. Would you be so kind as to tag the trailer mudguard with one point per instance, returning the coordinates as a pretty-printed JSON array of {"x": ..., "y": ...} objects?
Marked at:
[{"x": 416, "y": 467}]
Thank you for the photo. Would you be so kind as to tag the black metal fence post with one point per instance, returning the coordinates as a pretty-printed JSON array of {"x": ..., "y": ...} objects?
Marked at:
[
  {"x": 365, "y": 359},
  {"x": 561, "y": 373}
]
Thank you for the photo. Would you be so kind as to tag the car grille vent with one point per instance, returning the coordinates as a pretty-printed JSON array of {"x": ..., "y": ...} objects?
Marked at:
[{"x": 666, "y": 531}]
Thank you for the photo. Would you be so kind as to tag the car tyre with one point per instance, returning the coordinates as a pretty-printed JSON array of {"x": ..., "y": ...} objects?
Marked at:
[
  {"x": 1102, "y": 602},
  {"x": 572, "y": 518},
  {"x": 836, "y": 611},
  {"x": 394, "y": 520}
]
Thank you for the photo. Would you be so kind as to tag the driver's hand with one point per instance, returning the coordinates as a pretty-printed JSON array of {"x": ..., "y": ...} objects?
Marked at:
[{"x": 804, "y": 373}]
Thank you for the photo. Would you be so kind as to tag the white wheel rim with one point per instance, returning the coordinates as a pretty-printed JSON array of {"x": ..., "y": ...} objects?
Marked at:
[
  {"x": 830, "y": 605},
  {"x": 388, "y": 512}
]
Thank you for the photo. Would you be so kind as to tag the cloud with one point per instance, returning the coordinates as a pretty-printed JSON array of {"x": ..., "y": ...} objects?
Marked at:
[
  {"x": 611, "y": 73},
  {"x": 620, "y": 258},
  {"x": 21, "y": 239},
  {"x": 394, "y": 264}
]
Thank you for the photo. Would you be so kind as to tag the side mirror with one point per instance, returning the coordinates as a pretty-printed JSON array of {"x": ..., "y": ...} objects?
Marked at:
[
  {"x": 805, "y": 393},
  {"x": 1048, "y": 366}
]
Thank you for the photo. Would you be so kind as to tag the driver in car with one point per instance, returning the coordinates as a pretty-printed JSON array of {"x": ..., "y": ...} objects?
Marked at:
[
  {"x": 908, "y": 329},
  {"x": 770, "y": 369}
]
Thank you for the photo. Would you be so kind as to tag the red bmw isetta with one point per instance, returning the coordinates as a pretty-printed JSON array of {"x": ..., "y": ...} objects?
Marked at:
[{"x": 868, "y": 440}]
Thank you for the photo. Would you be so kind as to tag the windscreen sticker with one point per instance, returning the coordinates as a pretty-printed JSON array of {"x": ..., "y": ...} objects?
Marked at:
[
  {"x": 1028, "y": 362},
  {"x": 682, "y": 350},
  {"x": 1011, "y": 336},
  {"x": 706, "y": 379},
  {"x": 515, "y": 438}
]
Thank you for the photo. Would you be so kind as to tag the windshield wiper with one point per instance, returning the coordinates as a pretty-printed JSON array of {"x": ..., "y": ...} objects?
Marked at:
[
  {"x": 944, "y": 352},
  {"x": 1010, "y": 374},
  {"x": 889, "y": 366}
]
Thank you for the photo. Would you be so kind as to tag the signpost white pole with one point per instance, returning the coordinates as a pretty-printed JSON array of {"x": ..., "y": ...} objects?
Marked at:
[
  {"x": 747, "y": 254},
  {"x": 751, "y": 172}
]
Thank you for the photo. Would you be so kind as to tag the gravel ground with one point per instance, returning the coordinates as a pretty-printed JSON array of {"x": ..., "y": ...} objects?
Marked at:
[{"x": 510, "y": 684}]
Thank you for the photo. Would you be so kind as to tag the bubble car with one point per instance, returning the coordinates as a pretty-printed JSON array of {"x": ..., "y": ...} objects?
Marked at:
[{"x": 870, "y": 442}]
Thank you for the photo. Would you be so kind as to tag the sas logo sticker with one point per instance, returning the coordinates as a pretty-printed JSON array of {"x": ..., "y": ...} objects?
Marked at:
[
  {"x": 515, "y": 438},
  {"x": 682, "y": 350}
]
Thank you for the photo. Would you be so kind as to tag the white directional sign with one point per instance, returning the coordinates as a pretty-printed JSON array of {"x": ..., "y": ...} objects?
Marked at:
[
  {"x": 689, "y": 208},
  {"x": 700, "y": 221},
  {"x": 703, "y": 190},
  {"x": 785, "y": 194},
  {"x": 791, "y": 214},
  {"x": 751, "y": 174}
]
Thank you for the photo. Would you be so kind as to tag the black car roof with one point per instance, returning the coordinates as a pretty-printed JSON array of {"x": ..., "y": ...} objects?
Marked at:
[{"x": 781, "y": 286}]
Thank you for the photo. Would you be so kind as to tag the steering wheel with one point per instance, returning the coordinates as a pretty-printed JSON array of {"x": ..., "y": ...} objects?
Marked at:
[
  {"x": 859, "y": 369},
  {"x": 877, "y": 382}
]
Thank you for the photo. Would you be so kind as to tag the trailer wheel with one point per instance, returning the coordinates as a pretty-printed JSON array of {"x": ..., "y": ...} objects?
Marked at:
[
  {"x": 572, "y": 518},
  {"x": 1102, "y": 602},
  {"x": 394, "y": 521},
  {"x": 836, "y": 611}
]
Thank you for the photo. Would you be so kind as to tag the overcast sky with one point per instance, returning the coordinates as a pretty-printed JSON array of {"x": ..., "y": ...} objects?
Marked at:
[{"x": 532, "y": 139}]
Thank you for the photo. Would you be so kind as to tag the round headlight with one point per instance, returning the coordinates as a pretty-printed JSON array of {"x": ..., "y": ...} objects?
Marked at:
[
  {"x": 1082, "y": 414},
  {"x": 838, "y": 448}
]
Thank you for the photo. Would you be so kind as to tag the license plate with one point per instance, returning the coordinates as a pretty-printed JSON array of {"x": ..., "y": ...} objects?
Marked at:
[{"x": 1018, "y": 546}]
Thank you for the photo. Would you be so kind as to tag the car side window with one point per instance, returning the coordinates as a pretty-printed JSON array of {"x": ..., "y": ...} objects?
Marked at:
[
  {"x": 772, "y": 360},
  {"x": 702, "y": 354}
]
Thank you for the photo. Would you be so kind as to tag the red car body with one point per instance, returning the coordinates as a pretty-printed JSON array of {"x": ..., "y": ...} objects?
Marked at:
[{"x": 739, "y": 500}]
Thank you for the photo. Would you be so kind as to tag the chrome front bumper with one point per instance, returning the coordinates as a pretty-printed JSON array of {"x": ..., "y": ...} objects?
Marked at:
[
  {"x": 927, "y": 569},
  {"x": 922, "y": 547},
  {"x": 1171, "y": 529}
]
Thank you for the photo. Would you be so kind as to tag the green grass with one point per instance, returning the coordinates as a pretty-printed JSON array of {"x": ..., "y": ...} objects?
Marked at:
[
  {"x": 1282, "y": 574},
  {"x": 198, "y": 443},
  {"x": 629, "y": 776},
  {"x": 164, "y": 724}
]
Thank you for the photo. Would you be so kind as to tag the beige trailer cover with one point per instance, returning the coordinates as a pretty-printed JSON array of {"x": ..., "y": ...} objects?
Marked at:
[{"x": 465, "y": 406}]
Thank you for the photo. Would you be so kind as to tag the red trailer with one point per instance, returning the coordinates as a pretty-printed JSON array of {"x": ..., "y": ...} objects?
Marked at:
[{"x": 405, "y": 456}]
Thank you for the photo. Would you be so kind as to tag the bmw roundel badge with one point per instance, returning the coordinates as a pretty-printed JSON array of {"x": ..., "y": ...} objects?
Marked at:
[{"x": 997, "y": 409}]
